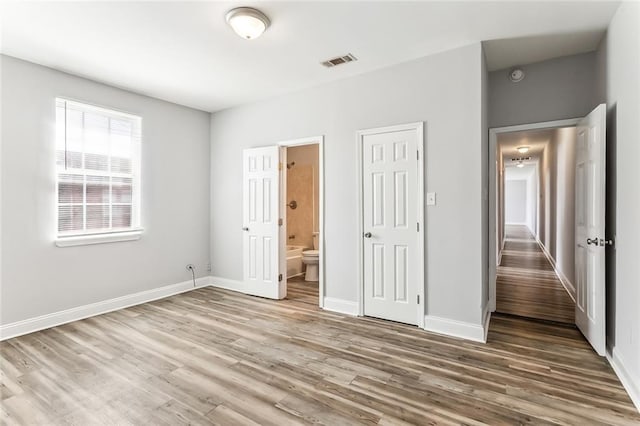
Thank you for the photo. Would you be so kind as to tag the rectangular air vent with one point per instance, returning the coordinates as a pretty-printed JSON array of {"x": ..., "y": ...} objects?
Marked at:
[{"x": 330, "y": 63}]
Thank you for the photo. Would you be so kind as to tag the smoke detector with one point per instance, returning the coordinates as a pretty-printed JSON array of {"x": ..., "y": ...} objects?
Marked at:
[
  {"x": 516, "y": 75},
  {"x": 339, "y": 60}
]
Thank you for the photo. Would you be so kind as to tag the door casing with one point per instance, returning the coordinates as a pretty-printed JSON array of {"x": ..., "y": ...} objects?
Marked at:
[
  {"x": 418, "y": 127},
  {"x": 492, "y": 240},
  {"x": 313, "y": 140}
]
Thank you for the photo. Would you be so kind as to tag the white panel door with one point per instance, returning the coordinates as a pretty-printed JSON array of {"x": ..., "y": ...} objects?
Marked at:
[
  {"x": 261, "y": 233},
  {"x": 390, "y": 219},
  {"x": 590, "y": 233}
]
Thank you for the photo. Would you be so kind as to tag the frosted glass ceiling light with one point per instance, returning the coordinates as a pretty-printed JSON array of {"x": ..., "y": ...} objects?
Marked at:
[
  {"x": 247, "y": 22},
  {"x": 523, "y": 149},
  {"x": 520, "y": 165}
]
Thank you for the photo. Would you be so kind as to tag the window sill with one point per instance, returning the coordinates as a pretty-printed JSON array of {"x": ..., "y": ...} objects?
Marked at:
[{"x": 83, "y": 240}]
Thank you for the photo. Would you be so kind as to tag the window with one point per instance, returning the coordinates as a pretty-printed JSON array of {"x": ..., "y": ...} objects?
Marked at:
[{"x": 98, "y": 174}]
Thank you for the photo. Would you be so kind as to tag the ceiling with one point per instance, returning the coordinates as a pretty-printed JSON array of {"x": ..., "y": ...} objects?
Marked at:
[
  {"x": 536, "y": 140},
  {"x": 185, "y": 53}
]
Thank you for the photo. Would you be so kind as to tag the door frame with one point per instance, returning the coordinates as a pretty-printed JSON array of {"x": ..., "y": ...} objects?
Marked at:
[
  {"x": 419, "y": 128},
  {"x": 493, "y": 217},
  {"x": 312, "y": 140}
]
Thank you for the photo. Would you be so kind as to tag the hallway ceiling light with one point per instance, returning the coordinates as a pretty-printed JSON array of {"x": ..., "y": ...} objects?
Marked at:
[
  {"x": 247, "y": 22},
  {"x": 520, "y": 165},
  {"x": 523, "y": 149}
]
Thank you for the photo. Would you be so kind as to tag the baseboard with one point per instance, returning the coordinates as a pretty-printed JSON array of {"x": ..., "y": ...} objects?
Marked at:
[
  {"x": 568, "y": 286},
  {"x": 42, "y": 322},
  {"x": 486, "y": 320},
  {"x": 340, "y": 305},
  {"x": 463, "y": 330},
  {"x": 228, "y": 284},
  {"x": 631, "y": 384}
]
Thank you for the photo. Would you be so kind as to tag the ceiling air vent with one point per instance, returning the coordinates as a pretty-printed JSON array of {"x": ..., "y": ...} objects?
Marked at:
[{"x": 330, "y": 63}]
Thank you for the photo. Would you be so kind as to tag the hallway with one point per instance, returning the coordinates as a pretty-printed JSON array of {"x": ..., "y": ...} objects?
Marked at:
[{"x": 526, "y": 283}]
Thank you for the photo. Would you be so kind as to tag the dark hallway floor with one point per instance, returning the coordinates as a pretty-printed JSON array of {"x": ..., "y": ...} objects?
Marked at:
[{"x": 526, "y": 283}]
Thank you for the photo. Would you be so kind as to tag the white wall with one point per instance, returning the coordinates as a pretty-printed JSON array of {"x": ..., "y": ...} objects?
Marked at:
[
  {"x": 39, "y": 278},
  {"x": 445, "y": 92},
  {"x": 515, "y": 201},
  {"x": 532, "y": 201},
  {"x": 565, "y": 164},
  {"x": 552, "y": 90},
  {"x": 619, "y": 87}
]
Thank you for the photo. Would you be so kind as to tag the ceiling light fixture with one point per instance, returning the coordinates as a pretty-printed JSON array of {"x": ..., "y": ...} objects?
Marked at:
[
  {"x": 247, "y": 22},
  {"x": 523, "y": 149},
  {"x": 520, "y": 165}
]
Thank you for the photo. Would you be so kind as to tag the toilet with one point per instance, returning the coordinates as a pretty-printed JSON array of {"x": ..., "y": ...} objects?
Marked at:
[{"x": 311, "y": 258}]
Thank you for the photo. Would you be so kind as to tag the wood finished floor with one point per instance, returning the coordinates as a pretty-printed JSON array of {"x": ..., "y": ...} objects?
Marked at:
[
  {"x": 212, "y": 356},
  {"x": 526, "y": 284}
]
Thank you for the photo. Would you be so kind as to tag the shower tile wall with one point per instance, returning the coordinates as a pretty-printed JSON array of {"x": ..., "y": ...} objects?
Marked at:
[{"x": 302, "y": 186}]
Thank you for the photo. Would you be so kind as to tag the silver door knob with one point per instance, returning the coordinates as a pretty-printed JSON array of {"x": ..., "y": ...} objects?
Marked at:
[
  {"x": 245, "y": 228},
  {"x": 593, "y": 241},
  {"x": 367, "y": 235}
]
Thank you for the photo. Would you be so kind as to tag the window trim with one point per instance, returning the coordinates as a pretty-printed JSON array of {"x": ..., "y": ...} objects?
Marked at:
[
  {"x": 101, "y": 238},
  {"x": 114, "y": 235}
]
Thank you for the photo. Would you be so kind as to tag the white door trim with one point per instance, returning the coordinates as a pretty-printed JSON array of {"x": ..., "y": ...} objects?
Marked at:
[
  {"x": 493, "y": 142},
  {"x": 419, "y": 128},
  {"x": 319, "y": 140}
]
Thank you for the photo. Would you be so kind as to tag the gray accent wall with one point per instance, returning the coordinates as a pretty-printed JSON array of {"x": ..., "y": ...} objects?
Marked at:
[
  {"x": 552, "y": 90},
  {"x": 38, "y": 278},
  {"x": 442, "y": 90}
]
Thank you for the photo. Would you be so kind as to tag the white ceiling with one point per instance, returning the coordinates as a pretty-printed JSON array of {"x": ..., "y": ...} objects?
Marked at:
[
  {"x": 185, "y": 53},
  {"x": 536, "y": 140}
]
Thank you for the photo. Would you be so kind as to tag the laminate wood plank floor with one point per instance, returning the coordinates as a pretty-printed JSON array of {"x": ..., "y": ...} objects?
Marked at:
[
  {"x": 526, "y": 284},
  {"x": 212, "y": 356}
]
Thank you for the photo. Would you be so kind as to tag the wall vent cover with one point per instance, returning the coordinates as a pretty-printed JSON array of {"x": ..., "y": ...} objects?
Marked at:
[{"x": 339, "y": 60}]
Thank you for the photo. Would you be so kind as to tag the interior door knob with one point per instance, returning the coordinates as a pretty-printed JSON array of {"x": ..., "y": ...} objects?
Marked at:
[
  {"x": 367, "y": 235},
  {"x": 593, "y": 241},
  {"x": 245, "y": 228}
]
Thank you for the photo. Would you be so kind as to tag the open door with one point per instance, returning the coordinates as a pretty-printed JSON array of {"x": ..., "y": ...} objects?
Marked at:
[
  {"x": 262, "y": 265},
  {"x": 590, "y": 237}
]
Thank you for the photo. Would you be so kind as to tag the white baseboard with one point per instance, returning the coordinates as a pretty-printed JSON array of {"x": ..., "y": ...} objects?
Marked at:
[
  {"x": 486, "y": 320},
  {"x": 631, "y": 384},
  {"x": 340, "y": 305},
  {"x": 568, "y": 286},
  {"x": 463, "y": 330},
  {"x": 228, "y": 284},
  {"x": 54, "y": 319}
]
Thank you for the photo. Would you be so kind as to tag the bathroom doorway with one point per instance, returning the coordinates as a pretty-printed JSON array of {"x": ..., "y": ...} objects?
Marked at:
[{"x": 302, "y": 214}]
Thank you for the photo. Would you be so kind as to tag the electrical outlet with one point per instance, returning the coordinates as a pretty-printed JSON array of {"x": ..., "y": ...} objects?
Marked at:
[
  {"x": 431, "y": 198},
  {"x": 209, "y": 267}
]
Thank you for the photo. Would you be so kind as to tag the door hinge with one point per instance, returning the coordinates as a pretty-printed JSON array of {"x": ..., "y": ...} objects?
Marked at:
[
  {"x": 418, "y": 226},
  {"x": 280, "y": 165},
  {"x": 418, "y": 299},
  {"x": 279, "y": 277},
  {"x": 417, "y": 155},
  {"x": 280, "y": 222}
]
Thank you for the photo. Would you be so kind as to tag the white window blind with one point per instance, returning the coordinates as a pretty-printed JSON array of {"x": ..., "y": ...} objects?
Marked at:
[{"x": 98, "y": 170}]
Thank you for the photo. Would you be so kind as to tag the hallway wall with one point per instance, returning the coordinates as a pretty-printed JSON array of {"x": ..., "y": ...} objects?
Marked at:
[{"x": 556, "y": 212}]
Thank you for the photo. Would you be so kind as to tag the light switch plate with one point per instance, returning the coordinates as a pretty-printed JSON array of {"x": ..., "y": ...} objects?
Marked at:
[{"x": 431, "y": 198}]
